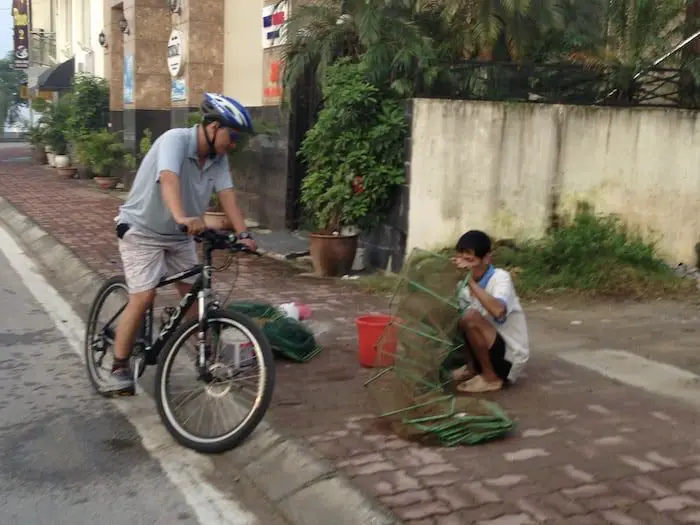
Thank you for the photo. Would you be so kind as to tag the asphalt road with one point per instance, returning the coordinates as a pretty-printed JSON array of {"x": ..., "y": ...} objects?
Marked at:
[{"x": 68, "y": 456}]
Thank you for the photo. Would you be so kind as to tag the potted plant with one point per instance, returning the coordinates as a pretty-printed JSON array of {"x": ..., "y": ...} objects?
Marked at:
[
  {"x": 104, "y": 153},
  {"x": 35, "y": 136},
  {"x": 355, "y": 160},
  {"x": 83, "y": 169},
  {"x": 55, "y": 120},
  {"x": 88, "y": 114}
]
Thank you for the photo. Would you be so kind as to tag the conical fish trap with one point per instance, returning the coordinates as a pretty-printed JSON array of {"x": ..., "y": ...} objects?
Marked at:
[{"x": 413, "y": 393}]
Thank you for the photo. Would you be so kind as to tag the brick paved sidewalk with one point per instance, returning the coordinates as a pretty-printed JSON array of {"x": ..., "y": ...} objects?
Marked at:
[{"x": 589, "y": 450}]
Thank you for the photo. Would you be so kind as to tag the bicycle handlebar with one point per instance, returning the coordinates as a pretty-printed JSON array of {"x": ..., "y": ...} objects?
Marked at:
[{"x": 220, "y": 240}]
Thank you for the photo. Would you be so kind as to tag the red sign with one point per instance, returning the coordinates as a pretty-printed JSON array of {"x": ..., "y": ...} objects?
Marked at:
[{"x": 273, "y": 87}]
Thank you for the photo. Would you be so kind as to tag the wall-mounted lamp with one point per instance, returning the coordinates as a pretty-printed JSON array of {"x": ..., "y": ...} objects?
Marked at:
[
  {"x": 124, "y": 25},
  {"x": 102, "y": 39},
  {"x": 175, "y": 6}
]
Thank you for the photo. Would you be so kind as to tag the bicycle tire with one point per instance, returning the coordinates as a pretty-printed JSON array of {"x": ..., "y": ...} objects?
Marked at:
[
  {"x": 233, "y": 438},
  {"x": 111, "y": 284}
]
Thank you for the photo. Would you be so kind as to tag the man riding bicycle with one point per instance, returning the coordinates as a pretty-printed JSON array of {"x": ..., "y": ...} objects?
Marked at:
[{"x": 173, "y": 187}]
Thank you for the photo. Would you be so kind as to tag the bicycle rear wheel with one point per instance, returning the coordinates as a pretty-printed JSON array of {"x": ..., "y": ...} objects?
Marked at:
[{"x": 225, "y": 390}]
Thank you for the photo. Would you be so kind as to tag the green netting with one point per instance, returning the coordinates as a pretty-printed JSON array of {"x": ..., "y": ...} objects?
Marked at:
[
  {"x": 415, "y": 394},
  {"x": 288, "y": 337}
]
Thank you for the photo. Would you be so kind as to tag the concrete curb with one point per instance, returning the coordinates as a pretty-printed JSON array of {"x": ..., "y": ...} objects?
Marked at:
[{"x": 303, "y": 487}]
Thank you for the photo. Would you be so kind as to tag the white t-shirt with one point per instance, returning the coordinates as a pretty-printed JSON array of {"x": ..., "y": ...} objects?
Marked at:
[{"x": 513, "y": 329}]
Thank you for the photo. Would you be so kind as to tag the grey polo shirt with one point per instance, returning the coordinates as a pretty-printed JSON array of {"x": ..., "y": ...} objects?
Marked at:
[{"x": 176, "y": 151}]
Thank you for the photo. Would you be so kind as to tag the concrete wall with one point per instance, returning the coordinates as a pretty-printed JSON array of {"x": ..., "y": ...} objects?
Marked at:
[{"x": 504, "y": 167}]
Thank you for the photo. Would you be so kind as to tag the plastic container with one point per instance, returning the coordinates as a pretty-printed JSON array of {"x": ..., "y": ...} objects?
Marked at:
[
  {"x": 297, "y": 311},
  {"x": 237, "y": 349},
  {"x": 376, "y": 332}
]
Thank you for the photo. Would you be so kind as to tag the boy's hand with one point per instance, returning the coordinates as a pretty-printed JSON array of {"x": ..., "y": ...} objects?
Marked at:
[{"x": 460, "y": 263}]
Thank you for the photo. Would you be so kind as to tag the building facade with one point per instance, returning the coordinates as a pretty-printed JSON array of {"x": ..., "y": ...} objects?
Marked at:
[
  {"x": 161, "y": 56},
  {"x": 64, "y": 41}
]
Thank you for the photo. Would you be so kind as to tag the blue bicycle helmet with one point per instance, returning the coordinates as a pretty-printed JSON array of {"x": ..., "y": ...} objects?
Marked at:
[{"x": 226, "y": 111}]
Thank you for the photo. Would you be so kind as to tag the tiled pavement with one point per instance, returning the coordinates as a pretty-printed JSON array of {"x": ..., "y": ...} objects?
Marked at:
[{"x": 588, "y": 451}]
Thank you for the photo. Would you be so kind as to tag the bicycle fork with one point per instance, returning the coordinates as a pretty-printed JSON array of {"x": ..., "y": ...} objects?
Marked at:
[{"x": 204, "y": 304}]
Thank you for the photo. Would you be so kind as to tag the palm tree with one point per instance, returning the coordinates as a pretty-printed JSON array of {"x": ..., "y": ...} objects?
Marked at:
[
  {"x": 411, "y": 45},
  {"x": 637, "y": 32}
]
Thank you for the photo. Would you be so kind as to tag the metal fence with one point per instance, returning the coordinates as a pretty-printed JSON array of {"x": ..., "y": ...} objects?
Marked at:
[{"x": 571, "y": 84}]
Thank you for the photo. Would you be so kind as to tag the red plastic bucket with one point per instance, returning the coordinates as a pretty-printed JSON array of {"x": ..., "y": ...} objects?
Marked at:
[{"x": 377, "y": 339}]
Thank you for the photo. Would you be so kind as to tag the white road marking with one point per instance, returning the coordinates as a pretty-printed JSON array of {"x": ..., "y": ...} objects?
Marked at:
[
  {"x": 631, "y": 369},
  {"x": 185, "y": 468}
]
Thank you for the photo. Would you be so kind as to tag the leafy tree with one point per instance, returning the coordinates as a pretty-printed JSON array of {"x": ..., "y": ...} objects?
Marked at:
[
  {"x": 11, "y": 80},
  {"x": 90, "y": 106}
]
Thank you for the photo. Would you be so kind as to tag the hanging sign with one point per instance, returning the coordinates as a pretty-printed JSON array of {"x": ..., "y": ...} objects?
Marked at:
[
  {"x": 273, "y": 19},
  {"x": 20, "y": 15},
  {"x": 175, "y": 53}
]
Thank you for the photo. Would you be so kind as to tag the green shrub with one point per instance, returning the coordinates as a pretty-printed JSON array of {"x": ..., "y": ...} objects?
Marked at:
[
  {"x": 354, "y": 152},
  {"x": 592, "y": 253}
]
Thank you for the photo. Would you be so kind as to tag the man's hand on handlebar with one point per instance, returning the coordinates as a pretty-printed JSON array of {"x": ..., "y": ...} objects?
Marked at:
[
  {"x": 249, "y": 243},
  {"x": 194, "y": 225}
]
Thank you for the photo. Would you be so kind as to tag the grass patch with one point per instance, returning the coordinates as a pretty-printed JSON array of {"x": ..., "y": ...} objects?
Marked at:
[
  {"x": 594, "y": 255},
  {"x": 378, "y": 284}
]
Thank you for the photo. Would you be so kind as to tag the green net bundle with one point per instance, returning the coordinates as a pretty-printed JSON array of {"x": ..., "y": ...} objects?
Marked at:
[
  {"x": 288, "y": 337},
  {"x": 415, "y": 394}
]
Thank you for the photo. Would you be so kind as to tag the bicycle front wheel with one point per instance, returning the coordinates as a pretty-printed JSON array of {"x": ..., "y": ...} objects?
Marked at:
[
  {"x": 100, "y": 329},
  {"x": 212, "y": 417}
]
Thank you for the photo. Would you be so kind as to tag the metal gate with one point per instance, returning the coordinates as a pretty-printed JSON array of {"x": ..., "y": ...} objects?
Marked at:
[{"x": 306, "y": 100}]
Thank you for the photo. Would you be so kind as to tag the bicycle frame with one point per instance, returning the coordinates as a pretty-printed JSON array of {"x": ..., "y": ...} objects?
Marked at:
[{"x": 200, "y": 293}]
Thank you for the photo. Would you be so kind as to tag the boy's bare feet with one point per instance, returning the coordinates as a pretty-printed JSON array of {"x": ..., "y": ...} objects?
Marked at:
[{"x": 479, "y": 385}]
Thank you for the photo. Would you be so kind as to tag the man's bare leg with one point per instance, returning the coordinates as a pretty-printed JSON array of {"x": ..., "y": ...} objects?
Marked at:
[
  {"x": 121, "y": 379},
  {"x": 130, "y": 321},
  {"x": 481, "y": 335}
]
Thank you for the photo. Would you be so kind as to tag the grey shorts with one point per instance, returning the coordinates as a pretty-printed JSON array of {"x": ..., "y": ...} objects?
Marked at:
[{"x": 146, "y": 260}]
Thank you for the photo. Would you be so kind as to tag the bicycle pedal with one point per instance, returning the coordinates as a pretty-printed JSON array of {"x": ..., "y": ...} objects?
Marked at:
[
  {"x": 126, "y": 393},
  {"x": 121, "y": 393}
]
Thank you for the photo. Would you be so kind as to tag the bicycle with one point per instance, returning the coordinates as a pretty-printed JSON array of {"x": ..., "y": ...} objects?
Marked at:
[{"x": 172, "y": 338}]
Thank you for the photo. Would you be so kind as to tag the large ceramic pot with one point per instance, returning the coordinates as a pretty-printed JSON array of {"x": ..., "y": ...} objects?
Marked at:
[
  {"x": 61, "y": 161},
  {"x": 217, "y": 220},
  {"x": 106, "y": 183},
  {"x": 332, "y": 255},
  {"x": 50, "y": 159}
]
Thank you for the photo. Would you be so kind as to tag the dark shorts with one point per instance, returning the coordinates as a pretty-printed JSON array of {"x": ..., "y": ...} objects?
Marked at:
[{"x": 498, "y": 358}]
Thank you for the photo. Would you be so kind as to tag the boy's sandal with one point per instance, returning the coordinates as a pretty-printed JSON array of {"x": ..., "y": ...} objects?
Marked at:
[{"x": 478, "y": 385}]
